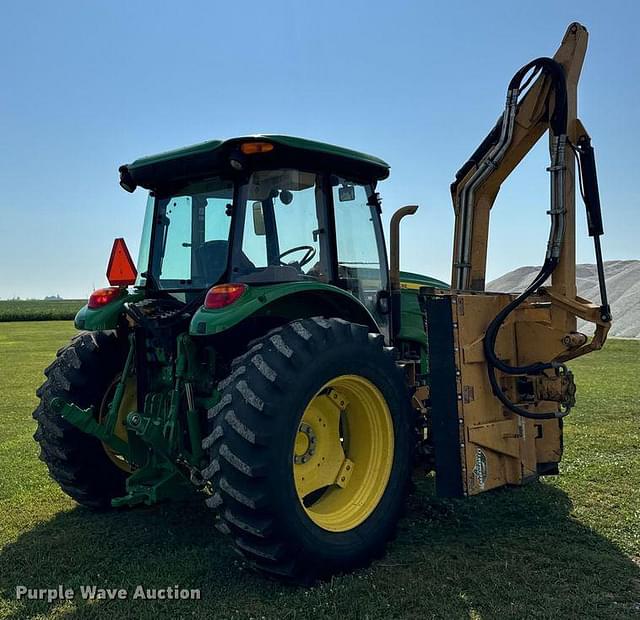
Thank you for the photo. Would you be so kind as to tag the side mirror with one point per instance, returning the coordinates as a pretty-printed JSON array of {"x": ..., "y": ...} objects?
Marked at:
[
  {"x": 258, "y": 219},
  {"x": 346, "y": 193}
]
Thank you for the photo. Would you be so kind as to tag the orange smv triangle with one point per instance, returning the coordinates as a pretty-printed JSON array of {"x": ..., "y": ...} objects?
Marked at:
[{"x": 121, "y": 270}]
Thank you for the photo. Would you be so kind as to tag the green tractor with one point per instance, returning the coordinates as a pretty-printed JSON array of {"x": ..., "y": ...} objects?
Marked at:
[{"x": 251, "y": 360}]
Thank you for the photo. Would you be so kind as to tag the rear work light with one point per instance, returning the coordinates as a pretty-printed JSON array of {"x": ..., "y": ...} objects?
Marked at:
[
  {"x": 223, "y": 295},
  {"x": 103, "y": 296}
]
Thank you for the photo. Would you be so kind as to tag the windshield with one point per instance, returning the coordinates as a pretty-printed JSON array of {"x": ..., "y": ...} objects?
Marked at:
[{"x": 191, "y": 237}]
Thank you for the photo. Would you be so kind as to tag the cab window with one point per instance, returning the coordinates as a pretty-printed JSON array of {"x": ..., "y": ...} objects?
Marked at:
[
  {"x": 361, "y": 263},
  {"x": 191, "y": 241}
]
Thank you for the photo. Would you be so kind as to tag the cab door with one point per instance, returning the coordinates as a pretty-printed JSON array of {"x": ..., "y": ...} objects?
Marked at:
[{"x": 360, "y": 249}]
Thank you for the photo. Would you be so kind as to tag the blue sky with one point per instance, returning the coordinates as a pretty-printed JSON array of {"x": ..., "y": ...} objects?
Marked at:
[{"x": 87, "y": 86}]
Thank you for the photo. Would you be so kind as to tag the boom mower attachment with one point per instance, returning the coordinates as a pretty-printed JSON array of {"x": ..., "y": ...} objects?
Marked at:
[{"x": 507, "y": 336}]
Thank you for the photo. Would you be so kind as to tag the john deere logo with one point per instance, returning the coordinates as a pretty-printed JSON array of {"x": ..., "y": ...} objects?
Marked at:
[{"x": 480, "y": 468}]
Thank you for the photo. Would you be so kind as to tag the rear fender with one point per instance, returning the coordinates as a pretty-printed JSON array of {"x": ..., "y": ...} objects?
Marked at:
[
  {"x": 288, "y": 302},
  {"x": 105, "y": 317}
]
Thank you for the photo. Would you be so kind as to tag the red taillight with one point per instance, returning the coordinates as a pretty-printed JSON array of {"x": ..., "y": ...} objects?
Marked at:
[
  {"x": 103, "y": 296},
  {"x": 223, "y": 295}
]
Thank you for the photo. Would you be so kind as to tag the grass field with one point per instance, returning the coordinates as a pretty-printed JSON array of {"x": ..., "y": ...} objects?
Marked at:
[
  {"x": 39, "y": 310},
  {"x": 568, "y": 547}
]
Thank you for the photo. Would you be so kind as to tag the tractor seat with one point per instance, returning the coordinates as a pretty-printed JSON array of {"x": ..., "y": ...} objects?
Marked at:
[{"x": 211, "y": 258}]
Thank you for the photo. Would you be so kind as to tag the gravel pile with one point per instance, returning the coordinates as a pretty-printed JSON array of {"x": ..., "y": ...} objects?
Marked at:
[{"x": 623, "y": 288}]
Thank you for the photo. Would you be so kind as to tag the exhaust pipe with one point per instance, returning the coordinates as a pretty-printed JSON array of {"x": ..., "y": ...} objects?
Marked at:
[{"x": 394, "y": 250}]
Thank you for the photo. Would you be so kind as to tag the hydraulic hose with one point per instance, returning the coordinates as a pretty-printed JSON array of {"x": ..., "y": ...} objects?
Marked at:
[
  {"x": 558, "y": 126},
  {"x": 491, "y": 151}
]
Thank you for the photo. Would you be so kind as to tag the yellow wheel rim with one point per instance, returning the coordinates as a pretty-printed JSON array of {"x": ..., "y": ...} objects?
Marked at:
[
  {"x": 343, "y": 453},
  {"x": 129, "y": 403}
]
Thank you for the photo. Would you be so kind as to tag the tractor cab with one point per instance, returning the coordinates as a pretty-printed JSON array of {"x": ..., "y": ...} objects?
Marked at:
[{"x": 262, "y": 210}]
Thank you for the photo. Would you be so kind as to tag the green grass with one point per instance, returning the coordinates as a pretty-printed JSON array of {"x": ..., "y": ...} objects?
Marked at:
[
  {"x": 568, "y": 547},
  {"x": 39, "y": 310}
]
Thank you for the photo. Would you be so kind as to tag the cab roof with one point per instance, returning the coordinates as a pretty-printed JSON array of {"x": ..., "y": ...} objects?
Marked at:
[{"x": 190, "y": 163}]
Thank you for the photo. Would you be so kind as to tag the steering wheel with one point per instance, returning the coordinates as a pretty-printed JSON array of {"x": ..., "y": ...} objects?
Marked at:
[{"x": 308, "y": 256}]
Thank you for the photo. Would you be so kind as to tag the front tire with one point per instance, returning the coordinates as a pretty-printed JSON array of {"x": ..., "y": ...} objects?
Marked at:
[{"x": 310, "y": 449}]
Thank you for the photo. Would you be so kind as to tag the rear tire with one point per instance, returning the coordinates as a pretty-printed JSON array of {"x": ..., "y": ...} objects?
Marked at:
[
  {"x": 254, "y": 449},
  {"x": 81, "y": 373}
]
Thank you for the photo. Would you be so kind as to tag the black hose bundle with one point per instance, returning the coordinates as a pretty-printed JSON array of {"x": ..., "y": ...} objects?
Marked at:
[
  {"x": 553, "y": 69},
  {"x": 558, "y": 125}
]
